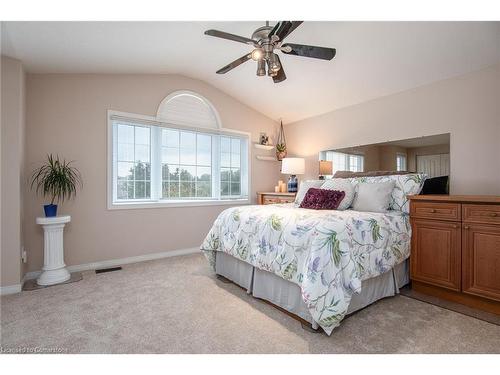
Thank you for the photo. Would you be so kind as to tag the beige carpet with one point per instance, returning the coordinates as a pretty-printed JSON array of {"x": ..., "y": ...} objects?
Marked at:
[{"x": 177, "y": 305}]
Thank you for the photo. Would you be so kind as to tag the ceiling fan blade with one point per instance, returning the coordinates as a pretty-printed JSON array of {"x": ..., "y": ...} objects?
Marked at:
[
  {"x": 274, "y": 29},
  {"x": 280, "y": 30},
  {"x": 234, "y": 64},
  {"x": 284, "y": 28},
  {"x": 308, "y": 51},
  {"x": 281, "y": 76},
  {"x": 294, "y": 25},
  {"x": 236, "y": 38}
]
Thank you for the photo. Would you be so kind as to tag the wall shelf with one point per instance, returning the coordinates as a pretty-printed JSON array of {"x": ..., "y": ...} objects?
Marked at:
[
  {"x": 263, "y": 147},
  {"x": 266, "y": 158}
]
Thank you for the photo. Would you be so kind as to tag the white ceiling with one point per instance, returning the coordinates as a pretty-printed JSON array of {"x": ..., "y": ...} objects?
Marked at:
[{"x": 373, "y": 58}]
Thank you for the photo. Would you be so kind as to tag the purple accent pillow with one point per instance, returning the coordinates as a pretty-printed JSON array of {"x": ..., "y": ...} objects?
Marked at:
[{"x": 322, "y": 199}]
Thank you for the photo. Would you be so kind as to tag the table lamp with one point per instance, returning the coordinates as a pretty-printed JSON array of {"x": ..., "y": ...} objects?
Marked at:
[
  {"x": 293, "y": 167},
  {"x": 325, "y": 168}
]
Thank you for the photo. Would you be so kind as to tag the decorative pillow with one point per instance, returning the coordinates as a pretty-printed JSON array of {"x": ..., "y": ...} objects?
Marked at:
[
  {"x": 322, "y": 199},
  {"x": 408, "y": 184},
  {"x": 304, "y": 187},
  {"x": 341, "y": 184},
  {"x": 373, "y": 197}
]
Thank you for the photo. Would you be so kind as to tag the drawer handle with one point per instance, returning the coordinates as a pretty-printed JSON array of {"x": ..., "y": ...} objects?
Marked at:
[
  {"x": 466, "y": 227},
  {"x": 432, "y": 210},
  {"x": 493, "y": 214},
  {"x": 456, "y": 226}
]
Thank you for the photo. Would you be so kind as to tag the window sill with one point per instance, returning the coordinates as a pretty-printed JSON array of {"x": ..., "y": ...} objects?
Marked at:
[{"x": 178, "y": 203}]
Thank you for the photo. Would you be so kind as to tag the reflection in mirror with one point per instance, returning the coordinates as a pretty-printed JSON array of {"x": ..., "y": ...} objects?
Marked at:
[{"x": 429, "y": 154}]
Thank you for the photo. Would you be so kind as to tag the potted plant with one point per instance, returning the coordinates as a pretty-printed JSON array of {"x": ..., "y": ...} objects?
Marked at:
[
  {"x": 281, "y": 144},
  {"x": 280, "y": 151},
  {"x": 56, "y": 179}
]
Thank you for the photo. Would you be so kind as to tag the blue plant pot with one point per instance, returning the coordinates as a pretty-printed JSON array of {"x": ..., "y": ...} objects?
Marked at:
[{"x": 50, "y": 210}]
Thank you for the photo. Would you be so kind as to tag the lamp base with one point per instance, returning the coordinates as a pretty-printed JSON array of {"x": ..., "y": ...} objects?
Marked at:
[{"x": 292, "y": 184}]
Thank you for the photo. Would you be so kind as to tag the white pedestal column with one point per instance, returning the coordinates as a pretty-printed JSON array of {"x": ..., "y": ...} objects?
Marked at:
[{"x": 54, "y": 270}]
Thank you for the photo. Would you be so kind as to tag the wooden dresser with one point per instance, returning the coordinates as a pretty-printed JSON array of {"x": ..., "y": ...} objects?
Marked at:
[
  {"x": 455, "y": 248},
  {"x": 272, "y": 198}
]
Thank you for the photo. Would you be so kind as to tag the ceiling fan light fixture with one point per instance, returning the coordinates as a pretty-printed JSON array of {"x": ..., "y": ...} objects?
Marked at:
[
  {"x": 257, "y": 54},
  {"x": 274, "y": 63},
  {"x": 261, "y": 68}
]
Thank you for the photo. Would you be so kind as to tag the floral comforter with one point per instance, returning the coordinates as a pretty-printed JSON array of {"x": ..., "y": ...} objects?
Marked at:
[{"x": 327, "y": 253}]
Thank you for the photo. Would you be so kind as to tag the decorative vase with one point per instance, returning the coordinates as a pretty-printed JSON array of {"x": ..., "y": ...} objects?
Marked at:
[
  {"x": 281, "y": 144},
  {"x": 50, "y": 210},
  {"x": 292, "y": 184}
]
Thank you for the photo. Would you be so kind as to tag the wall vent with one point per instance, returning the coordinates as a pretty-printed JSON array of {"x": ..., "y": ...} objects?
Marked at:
[{"x": 111, "y": 269}]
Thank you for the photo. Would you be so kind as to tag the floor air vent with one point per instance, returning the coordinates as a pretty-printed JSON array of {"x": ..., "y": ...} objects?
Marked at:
[{"x": 102, "y": 270}]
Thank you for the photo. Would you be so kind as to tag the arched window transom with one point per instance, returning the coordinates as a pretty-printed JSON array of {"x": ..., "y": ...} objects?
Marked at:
[{"x": 188, "y": 109}]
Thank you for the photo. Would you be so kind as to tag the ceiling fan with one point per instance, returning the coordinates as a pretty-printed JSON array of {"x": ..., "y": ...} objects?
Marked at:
[{"x": 266, "y": 40}]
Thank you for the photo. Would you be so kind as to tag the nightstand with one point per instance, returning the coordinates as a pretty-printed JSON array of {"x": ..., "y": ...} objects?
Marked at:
[{"x": 273, "y": 198}]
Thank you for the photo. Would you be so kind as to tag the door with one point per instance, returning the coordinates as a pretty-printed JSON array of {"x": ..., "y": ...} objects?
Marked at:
[
  {"x": 481, "y": 260},
  {"x": 434, "y": 165},
  {"x": 436, "y": 253}
]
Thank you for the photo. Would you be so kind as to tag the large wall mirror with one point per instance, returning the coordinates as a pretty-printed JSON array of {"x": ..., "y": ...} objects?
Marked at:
[{"x": 429, "y": 154}]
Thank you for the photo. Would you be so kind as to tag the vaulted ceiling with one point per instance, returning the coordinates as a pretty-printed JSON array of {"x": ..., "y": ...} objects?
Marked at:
[{"x": 373, "y": 58}]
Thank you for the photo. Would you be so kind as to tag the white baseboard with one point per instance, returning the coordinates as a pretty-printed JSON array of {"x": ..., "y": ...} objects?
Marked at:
[
  {"x": 119, "y": 262},
  {"x": 10, "y": 289}
]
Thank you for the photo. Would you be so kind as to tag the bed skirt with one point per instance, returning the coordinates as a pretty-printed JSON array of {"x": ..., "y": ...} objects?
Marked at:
[{"x": 287, "y": 295}]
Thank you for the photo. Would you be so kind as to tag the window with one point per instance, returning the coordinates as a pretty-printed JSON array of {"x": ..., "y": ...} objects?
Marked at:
[
  {"x": 230, "y": 172},
  {"x": 345, "y": 162},
  {"x": 133, "y": 162},
  {"x": 400, "y": 162},
  {"x": 156, "y": 163},
  {"x": 186, "y": 164},
  {"x": 356, "y": 163}
]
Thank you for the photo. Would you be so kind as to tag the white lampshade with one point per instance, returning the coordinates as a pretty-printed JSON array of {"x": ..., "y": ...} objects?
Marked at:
[{"x": 293, "y": 166}]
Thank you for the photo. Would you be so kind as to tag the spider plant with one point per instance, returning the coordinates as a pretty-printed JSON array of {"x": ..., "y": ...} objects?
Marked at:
[
  {"x": 281, "y": 147},
  {"x": 56, "y": 179}
]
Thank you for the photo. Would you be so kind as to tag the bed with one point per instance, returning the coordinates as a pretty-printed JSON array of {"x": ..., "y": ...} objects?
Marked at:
[{"x": 317, "y": 264}]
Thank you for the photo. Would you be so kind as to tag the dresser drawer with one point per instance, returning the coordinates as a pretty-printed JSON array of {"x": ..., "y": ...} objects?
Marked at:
[
  {"x": 434, "y": 210},
  {"x": 273, "y": 199},
  {"x": 481, "y": 213}
]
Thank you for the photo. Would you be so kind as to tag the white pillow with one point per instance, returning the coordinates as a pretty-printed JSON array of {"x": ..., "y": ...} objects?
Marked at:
[
  {"x": 373, "y": 197},
  {"x": 406, "y": 184},
  {"x": 304, "y": 187},
  {"x": 341, "y": 184}
]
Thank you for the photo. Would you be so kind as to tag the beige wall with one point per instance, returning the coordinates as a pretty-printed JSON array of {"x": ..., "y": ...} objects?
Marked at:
[
  {"x": 371, "y": 158},
  {"x": 67, "y": 115},
  {"x": 12, "y": 159},
  {"x": 387, "y": 156},
  {"x": 466, "y": 106}
]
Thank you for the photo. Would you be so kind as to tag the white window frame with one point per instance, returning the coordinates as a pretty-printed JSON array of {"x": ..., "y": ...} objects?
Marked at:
[{"x": 152, "y": 121}]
